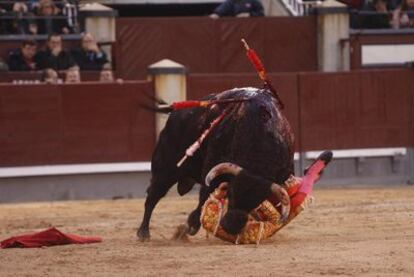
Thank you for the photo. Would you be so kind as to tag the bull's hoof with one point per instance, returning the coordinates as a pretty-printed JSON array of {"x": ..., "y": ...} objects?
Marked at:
[
  {"x": 194, "y": 223},
  {"x": 192, "y": 230},
  {"x": 143, "y": 234}
]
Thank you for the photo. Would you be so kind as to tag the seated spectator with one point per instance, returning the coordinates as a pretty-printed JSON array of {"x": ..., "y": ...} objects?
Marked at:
[
  {"x": 14, "y": 24},
  {"x": 73, "y": 75},
  {"x": 380, "y": 18},
  {"x": 403, "y": 15},
  {"x": 20, "y": 7},
  {"x": 54, "y": 56},
  {"x": 106, "y": 76},
  {"x": 5, "y": 7},
  {"x": 89, "y": 56},
  {"x": 3, "y": 65},
  {"x": 47, "y": 24},
  {"x": 238, "y": 8},
  {"x": 23, "y": 58},
  {"x": 49, "y": 76}
]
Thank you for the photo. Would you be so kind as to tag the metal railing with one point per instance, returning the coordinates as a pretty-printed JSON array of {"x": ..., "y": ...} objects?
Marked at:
[{"x": 300, "y": 7}]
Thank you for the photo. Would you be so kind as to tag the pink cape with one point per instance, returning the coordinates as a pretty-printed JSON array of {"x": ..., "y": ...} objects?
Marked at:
[{"x": 48, "y": 237}]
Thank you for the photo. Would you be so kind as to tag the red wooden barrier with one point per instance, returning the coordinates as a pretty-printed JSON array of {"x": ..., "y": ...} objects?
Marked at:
[
  {"x": 80, "y": 123},
  {"x": 84, "y": 123},
  {"x": 356, "y": 109},
  {"x": 359, "y": 109},
  {"x": 205, "y": 45}
]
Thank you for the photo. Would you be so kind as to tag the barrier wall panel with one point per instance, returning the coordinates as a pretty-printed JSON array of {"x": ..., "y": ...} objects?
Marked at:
[
  {"x": 92, "y": 122},
  {"x": 142, "y": 132},
  {"x": 290, "y": 44},
  {"x": 79, "y": 123},
  {"x": 384, "y": 107},
  {"x": 356, "y": 109},
  {"x": 99, "y": 123},
  {"x": 139, "y": 44},
  {"x": 95, "y": 122},
  {"x": 205, "y": 45},
  {"x": 193, "y": 42},
  {"x": 29, "y": 124},
  {"x": 142, "y": 42},
  {"x": 328, "y": 112}
]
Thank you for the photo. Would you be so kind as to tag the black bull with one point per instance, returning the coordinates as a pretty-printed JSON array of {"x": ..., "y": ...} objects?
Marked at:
[{"x": 254, "y": 135}]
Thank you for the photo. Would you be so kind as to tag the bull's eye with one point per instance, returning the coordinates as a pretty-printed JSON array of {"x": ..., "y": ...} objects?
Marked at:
[{"x": 264, "y": 114}]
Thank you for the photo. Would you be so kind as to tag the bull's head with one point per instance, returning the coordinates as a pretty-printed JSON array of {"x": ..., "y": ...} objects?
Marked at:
[{"x": 245, "y": 192}]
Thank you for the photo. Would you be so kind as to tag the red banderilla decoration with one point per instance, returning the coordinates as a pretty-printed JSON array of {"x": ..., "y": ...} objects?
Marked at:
[
  {"x": 196, "y": 145},
  {"x": 194, "y": 103},
  {"x": 258, "y": 65}
]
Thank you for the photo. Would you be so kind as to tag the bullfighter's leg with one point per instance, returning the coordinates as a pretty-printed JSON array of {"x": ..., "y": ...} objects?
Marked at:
[
  {"x": 193, "y": 220},
  {"x": 157, "y": 190}
]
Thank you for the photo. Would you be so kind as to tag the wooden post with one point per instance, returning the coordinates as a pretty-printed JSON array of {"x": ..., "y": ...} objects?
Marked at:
[
  {"x": 169, "y": 80},
  {"x": 333, "y": 31}
]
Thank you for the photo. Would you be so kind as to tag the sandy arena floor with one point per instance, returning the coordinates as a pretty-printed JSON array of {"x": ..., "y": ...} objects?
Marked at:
[{"x": 347, "y": 231}]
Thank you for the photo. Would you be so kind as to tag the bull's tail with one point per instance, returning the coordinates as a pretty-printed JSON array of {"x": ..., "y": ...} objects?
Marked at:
[
  {"x": 156, "y": 104},
  {"x": 164, "y": 110},
  {"x": 163, "y": 107}
]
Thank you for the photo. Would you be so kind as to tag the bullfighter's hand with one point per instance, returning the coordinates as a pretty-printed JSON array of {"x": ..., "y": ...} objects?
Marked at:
[{"x": 280, "y": 194}]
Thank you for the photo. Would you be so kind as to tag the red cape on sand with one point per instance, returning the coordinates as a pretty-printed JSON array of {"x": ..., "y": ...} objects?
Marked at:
[{"x": 48, "y": 237}]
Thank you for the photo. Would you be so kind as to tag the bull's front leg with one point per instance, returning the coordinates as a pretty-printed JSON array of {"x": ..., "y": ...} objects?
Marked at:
[
  {"x": 193, "y": 220},
  {"x": 157, "y": 190}
]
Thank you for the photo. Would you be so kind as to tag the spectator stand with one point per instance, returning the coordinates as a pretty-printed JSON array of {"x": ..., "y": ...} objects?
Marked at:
[
  {"x": 20, "y": 19},
  {"x": 13, "y": 41},
  {"x": 9, "y": 42},
  {"x": 95, "y": 18}
]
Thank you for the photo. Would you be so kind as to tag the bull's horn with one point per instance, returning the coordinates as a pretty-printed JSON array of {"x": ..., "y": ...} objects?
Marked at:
[
  {"x": 281, "y": 194},
  {"x": 222, "y": 168}
]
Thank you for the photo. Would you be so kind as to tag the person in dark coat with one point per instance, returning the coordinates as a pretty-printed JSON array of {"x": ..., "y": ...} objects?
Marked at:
[
  {"x": 89, "y": 56},
  {"x": 238, "y": 8},
  {"x": 54, "y": 56},
  {"x": 23, "y": 58},
  {"x": 379, "y": 16},
  {"x": 48, "y": 23}
]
